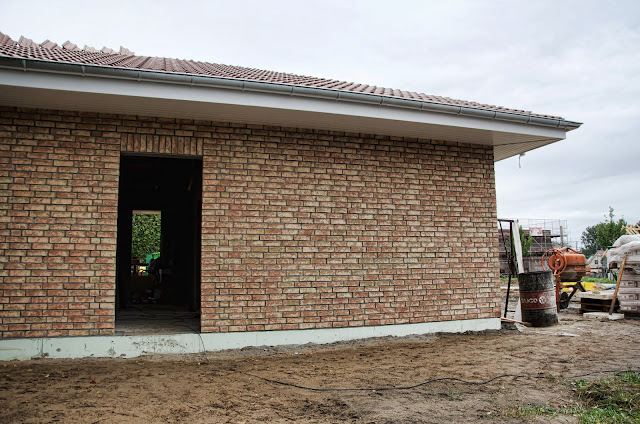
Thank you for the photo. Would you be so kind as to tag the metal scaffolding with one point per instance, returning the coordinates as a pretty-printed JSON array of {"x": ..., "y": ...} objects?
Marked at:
[{"x": 546, "y": 234}]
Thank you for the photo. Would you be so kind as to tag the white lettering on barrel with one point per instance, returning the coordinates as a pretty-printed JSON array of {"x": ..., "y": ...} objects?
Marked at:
[{"x": 538, "y": 300}]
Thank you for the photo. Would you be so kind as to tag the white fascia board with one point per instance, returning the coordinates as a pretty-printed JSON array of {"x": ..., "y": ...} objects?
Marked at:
[{"x": 39, "y": 89}]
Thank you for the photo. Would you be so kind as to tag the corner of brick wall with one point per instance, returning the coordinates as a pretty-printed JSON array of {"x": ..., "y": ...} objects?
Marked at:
[{"x": 58, "y": 207}]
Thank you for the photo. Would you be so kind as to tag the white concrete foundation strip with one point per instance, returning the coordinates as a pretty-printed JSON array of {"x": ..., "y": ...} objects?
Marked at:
[{"x": 186, "y": 343}]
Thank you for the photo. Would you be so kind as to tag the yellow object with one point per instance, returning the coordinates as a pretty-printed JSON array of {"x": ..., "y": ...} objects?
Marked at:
[{"x": 587, "y": 286}]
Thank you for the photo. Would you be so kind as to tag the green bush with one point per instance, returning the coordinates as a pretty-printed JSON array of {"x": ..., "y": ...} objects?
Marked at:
[{"x": 145, "y": 235}]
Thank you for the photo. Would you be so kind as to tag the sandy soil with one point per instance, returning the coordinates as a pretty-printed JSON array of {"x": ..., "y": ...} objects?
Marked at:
[{"x": 345, "y": 382}]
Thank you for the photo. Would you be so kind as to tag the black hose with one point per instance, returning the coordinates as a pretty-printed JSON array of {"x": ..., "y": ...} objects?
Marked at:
[{"x": 424, "y": 383}]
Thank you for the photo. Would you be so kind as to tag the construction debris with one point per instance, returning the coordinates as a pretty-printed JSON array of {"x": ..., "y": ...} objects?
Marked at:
[
  {"x": 603, "y": 316},
  {"x": 513, "y": 321}
]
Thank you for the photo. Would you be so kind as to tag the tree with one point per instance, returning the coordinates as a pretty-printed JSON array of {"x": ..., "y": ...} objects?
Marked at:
[
  {"x": 589, "y": 241},
  {"x": 145, "y": 235},
  {"x": 525, "y": 242},
  {"x": 602, "y": 235}
]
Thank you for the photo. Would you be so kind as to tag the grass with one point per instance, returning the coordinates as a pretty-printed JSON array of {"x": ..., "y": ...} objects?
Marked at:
[
  {"x": 506, "y": 278},
  {"x": 453, "y": 394},
  {"x": 534, "y": 410},
  {"x": 598, "y": 280},
  {"x": 614, "y": 400},
  {"x": 610, "y": 400},
  {"x": 585, "y": 279}
]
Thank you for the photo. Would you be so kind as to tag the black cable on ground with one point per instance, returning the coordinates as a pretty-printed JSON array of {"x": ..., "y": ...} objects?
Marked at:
[
  {"x": 424, "y": 383},
  {"x": 204, "y": 349}
]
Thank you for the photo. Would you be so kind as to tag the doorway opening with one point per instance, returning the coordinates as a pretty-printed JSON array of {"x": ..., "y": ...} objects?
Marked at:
[{"x": 158, "y": 253}]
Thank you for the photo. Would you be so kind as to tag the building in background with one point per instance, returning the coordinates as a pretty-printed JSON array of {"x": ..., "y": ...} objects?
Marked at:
[{"x": 598, "y": 264}]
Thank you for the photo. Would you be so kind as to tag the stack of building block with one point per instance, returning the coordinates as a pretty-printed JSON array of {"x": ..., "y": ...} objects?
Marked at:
[{"x": 629, "y": 293}]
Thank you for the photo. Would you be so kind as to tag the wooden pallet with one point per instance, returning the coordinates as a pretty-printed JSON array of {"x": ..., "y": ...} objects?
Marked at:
[{"x": 597, "y": 305}]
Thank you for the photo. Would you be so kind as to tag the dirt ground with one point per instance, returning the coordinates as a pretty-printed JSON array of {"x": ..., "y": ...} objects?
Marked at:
[{"x": 342, "y": 382}]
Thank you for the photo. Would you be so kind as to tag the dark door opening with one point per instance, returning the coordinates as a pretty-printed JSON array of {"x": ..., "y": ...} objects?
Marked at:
[{"x": 158, "y": 291}]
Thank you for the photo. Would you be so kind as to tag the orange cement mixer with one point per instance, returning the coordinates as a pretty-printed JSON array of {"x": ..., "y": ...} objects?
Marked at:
[{"x": 568, "y": 266}]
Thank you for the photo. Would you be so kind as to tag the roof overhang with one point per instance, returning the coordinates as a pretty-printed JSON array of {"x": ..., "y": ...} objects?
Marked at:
[{"x": 52, "y": 85}]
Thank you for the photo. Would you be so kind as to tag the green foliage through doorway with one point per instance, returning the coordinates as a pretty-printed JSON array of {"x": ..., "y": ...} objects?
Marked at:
[{"x": 145, "y": 235}]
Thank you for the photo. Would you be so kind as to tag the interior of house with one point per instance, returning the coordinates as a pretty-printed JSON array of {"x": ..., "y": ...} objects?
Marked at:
[{"x": 158, "y": 290}]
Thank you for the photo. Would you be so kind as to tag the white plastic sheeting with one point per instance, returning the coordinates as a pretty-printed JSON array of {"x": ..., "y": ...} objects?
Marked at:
[
  {"x": 626, "y": 239},
  {"x": 628, "y": 246}
]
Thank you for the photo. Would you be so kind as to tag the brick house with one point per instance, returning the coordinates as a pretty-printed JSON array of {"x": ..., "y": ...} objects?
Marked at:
[{"x": 299, "y": 209}]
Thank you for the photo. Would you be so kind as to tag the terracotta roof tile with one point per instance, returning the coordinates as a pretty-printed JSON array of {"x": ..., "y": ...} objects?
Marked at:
[
  {"x": 124, "y": 58},
  {"x": 27, "y": 42},
  {"x": 5, "y": 40},
  {"x": 68, "y": 45},
  {"x": 48, "y": 44}
]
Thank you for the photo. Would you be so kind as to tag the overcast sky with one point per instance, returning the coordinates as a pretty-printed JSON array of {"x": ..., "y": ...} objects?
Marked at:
[{"x": 576, "y": 59}]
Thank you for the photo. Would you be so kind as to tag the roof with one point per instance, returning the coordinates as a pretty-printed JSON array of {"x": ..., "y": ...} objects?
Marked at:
[
  {"x": 70, "y": 53},
  {"x": 109, "y": 63},
  {"x": 632, "y": 229},
  {"x": 599, "y": 254}
]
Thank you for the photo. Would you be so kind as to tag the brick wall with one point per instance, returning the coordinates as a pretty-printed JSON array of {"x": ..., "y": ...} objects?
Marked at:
[
  {"x": 301, "y": 228},
  {"x": 311, "y": 229},
  {"x": 58, "y": 205}
]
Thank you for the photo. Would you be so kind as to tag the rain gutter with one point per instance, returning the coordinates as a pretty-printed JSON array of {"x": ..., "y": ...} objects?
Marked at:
[{"x": 140, "y": 75}]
